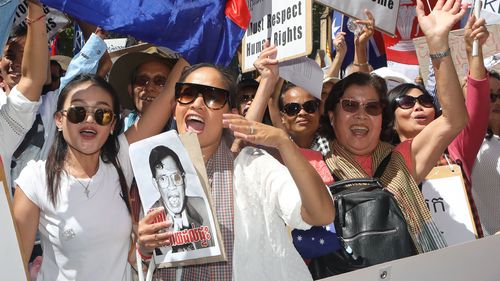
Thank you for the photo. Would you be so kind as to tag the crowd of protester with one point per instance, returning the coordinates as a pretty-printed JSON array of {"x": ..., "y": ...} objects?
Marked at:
[{"x": 66, "y": 130}]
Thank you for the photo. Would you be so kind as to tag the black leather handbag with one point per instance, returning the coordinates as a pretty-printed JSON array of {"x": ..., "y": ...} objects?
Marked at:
[{"x": 369, "y": 224}]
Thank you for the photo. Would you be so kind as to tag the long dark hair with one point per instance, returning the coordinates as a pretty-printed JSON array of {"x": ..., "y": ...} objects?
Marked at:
[
  {"x": 54, "y": 165},
  {"x": 390, "y": 134},
  {"x": 493, "y": 75},
  {"x": 359, "y": 79}
]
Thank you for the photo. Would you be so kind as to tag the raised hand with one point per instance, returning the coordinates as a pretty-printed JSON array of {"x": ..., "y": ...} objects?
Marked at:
[
  {"x": 340, "y": 45},
  {"x": 254, "y": 132},
  {"x": 267, "y": 64},
  {"x": 367, "y": 31},
  {"x": 440, "y": 21},
  {"x": 475, "y": 29}
]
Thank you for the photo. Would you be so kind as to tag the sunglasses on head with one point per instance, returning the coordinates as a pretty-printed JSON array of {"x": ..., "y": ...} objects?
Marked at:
[
  {"x": 77, "y": 114},
  {"x": 406, "y": 102},
  {"x": 246, "y": 98},
  {"x": 214, "y": 98},
  {"x": 494, "y": 97},
  {"x": 144, "y": 80},
  {"x": 373, "y": 108},
  {"x": 293, "y": 108}
]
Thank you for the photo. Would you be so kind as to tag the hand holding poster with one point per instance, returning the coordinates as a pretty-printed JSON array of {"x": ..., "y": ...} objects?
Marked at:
[
  {"x": 287, "y": 24},
  {"x": 167, "y": 179}
]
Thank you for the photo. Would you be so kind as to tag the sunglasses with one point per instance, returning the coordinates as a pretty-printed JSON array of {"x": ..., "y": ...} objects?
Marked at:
[
  {"x": 373, "y": 108},
  {"x": 246, "y": 98},
  {"x": 293, "y": 108},
  {"x": 494, "y": 97},
  {"x": 143, "y": 80},
  {"x": 406, "y": 102},
  {"x": 77, "y": 114},
  {"x": 214, "y": 98}
]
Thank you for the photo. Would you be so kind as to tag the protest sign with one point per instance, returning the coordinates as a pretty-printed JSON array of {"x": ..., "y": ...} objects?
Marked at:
[
  {"x": 286, "y": 24},
  {"x": 446, "y": 198},
  {"x": 305, "y": 73},
  {"x": 385, "y": 12},
  {"x": 54, "y": 21},
  {"x": 11, "y": 261},
  {"x": 116, "y": 44},
  {"x": 457, "y": 46},
  {"x": 170, "y": 173},
  {"x": 490, "y": 10}
]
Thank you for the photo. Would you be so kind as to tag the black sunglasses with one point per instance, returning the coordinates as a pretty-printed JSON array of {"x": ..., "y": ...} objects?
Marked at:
[
  {"x": 143, "y": 80},
  {"x": 77, "y": 114},
  {"x": 373, "y": 108},
  {"x": 293, "y": 108},
  {"x": 494, "y": 97},
  {"x": 246, "y": 98},
  {"x": 406, "y": 102},
  {"x": 214, "y": 98}
]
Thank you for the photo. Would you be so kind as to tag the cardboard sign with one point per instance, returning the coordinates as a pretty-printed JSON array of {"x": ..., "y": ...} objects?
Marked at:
[
  {"x": 385, "y": 12},
  {"x": 55, "y": 20},
  {"x": 287, "y": 24},
  {"x": 11, "y": 260},
  {"x": 446, "y": 197},
  {"x": 477, "y": 260},
  {"x": 457, "y": 46},
  {"x": 171, "y": 174}
]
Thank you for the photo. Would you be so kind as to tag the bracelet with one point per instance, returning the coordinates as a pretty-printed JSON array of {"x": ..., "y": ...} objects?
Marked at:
[
  {"x": 440, "y": 55},
  {"x": 360, "y": 64},
  {"x": 143, "y": 257},
  {"x": 30, "y": 21}
]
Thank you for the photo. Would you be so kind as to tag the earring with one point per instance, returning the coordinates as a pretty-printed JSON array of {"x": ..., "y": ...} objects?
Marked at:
[
  {"x": 111, "y": 133},
  {"x": 59, "y": 129}
]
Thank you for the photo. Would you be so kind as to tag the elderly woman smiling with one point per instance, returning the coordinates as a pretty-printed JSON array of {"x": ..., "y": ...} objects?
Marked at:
[{"x": 355, "y": 108}]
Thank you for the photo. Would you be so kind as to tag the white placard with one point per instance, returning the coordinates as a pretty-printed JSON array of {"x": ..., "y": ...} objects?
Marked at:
[
  {"x": 385, "y": 12},
  {"x": 305, "y": 73},
  {"x": 446, "y": 198},
  {"x": 54, "y": 21},
  {"x": 116, "y": 44},
  {"x": 11, "y": 261},
  {"x": 490, "y": 10},
  {"x": 287, "y": 24}
]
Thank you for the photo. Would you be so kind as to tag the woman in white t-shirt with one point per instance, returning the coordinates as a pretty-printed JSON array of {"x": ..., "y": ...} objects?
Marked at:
[{"x": 78, "y": 197}]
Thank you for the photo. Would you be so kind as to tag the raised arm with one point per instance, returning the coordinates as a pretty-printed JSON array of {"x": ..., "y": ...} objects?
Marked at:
[
  {"x": 154, "y": 119},
  {"x": 317, "y": 206},
  {"x": 431, "y": 142},
  {"x": 361, "y": 44},
  {"x": 36, "y": 54},
  {"x": 468, "y": 142},
  {"x": 340, "y": 52},
  {"x": 273, "y": 105}
]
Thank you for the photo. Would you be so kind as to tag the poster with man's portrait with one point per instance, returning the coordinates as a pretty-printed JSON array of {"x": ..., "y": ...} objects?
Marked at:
[{"x": 168, "y": 172}]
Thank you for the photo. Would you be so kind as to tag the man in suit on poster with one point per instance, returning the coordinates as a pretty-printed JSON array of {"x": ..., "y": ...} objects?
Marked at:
[{"x": 185, "y": 212}]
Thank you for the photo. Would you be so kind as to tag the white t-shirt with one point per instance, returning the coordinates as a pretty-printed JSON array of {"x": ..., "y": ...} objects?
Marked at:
[
  {"x": 266, "y": 198},
  {"x": 83, "y": 238}
]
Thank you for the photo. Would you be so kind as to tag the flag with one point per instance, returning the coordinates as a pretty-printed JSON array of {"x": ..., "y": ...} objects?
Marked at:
[
  {"x": 201, "y": 31},
  {"x": 78, "y": 39},
  {"x": 376, "y": 50}
]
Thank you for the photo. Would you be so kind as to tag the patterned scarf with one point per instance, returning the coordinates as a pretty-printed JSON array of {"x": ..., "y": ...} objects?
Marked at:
[
  {"x": 399, "y": 181},
  {"x": 220, "y": 177}
]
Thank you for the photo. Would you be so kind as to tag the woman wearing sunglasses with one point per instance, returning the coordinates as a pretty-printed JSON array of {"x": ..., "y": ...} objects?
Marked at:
[
  {"x": 78, "y": 197},
  {"x": 260, "y": 183},
  {"x": 413, "y": 108},
  {"x": 355, "y": 108}
]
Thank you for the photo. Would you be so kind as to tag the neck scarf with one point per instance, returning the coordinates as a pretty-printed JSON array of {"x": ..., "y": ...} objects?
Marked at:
[{"x": 399, "y": 181}]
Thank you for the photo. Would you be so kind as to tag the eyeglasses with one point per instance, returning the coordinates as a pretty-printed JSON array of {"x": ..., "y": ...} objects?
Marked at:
[
  {"x": 77, "y": 114},
  {"x": 373, "y": 108},
  {"x": 214, "y": 98},
  {"x": 494, "y": 97},
  {"x": 176, "y": 179},
  {"x": 406, "y": 102},
  {"x": 143, "y": 80},
  {"x": 246, "y": 98},
  {"x": 293, "y": 108}
]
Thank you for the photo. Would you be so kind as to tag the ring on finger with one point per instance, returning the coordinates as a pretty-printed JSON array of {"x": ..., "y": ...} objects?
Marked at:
[{"x": 251, "y": 130}]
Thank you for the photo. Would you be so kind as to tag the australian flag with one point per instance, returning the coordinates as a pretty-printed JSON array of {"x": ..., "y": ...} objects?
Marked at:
[
  {"x": 201, "y": 30},
  {"x": 376, "y": 48},
  {"x": 315, "y": 242}
]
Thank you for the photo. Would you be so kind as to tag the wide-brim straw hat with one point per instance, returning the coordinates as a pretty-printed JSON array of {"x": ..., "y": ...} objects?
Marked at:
[
  {"x": 121, "y": 73},
  {"x": 62, "y": 60}
]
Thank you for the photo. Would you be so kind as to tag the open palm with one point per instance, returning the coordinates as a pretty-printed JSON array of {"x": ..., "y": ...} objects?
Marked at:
[{"x": 442, "y": 18}]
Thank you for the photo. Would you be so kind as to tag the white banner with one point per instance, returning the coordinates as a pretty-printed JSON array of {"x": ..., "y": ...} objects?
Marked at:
[
  {"x": 54, "y": 21},
  {"x": 287, "y": 24},
  {"x": 385, "y": 12},
  {"x": 490, "y": 10}
]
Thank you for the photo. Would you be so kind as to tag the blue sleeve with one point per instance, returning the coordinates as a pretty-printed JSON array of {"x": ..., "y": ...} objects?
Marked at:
[
  {"x": 430, "y": 86},
  {"x": 86, "y": 61}
]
